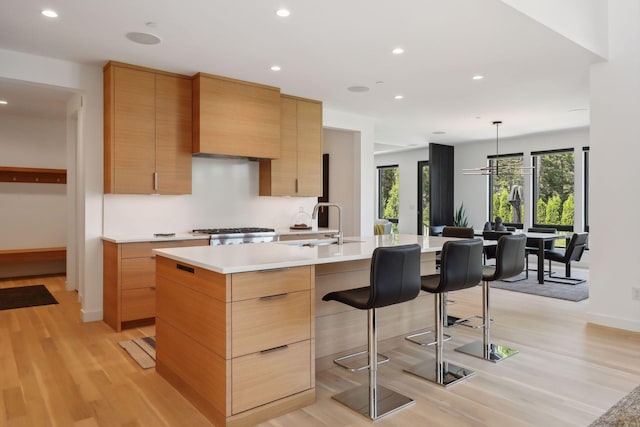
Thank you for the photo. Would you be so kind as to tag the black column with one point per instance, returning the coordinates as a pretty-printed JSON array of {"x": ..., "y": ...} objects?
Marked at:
[{"x": 441, "y": 184}]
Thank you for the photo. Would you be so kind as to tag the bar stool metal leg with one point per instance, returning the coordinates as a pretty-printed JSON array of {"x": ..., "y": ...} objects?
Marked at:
[
  {"x": 371, "y": 400},
  {"x": 439, "y": 371},
  {"x": 485, "y": 349}
]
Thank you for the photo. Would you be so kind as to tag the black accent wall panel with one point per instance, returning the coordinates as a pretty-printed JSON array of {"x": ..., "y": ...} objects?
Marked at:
[{"x": 441, "y": 184}]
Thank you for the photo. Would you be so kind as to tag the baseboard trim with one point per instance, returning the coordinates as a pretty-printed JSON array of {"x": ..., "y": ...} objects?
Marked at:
[
  {"x": 91, "y": 316},
  {"x": 614, "y": 322}
]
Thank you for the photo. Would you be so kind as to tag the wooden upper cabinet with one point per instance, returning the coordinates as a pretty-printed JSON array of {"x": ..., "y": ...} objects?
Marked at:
[
  {"x": 235, "y": 118},
  {"x": 298, "y": 171},
  {"x": 147, "y": 131}
]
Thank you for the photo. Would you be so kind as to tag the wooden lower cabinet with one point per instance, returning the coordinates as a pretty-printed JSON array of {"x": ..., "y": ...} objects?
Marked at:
[
  {"x": 240, "y": 347},
  {"x": 129, "y": 280}
]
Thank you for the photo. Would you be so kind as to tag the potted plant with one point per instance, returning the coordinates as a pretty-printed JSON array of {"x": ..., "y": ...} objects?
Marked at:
[{"x": 460, "y": 217}]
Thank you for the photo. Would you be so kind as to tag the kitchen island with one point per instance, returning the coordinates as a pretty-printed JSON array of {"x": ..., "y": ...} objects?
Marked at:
[{"x": 239, "y": 327}]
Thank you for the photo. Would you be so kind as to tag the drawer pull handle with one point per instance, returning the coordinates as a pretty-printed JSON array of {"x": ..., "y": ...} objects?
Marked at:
[
  {"x": 271, "y": 350},
  {"x": 153, "y": 257},
  {"x": 274, "y": 270},
  {"x": 270, "y": 297},
  {"x": 185, "y": 268}
]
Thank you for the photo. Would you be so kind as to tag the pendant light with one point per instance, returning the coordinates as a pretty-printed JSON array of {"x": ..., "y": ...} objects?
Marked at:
[{"x": 500, "y": 167}]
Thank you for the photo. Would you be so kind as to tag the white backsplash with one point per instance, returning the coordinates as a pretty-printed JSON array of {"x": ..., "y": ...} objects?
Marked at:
[{"x": 225, "y": 194}]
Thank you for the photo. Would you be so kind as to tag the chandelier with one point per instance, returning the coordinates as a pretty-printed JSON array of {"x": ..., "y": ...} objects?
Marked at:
[{"x": 504, "y": 166}]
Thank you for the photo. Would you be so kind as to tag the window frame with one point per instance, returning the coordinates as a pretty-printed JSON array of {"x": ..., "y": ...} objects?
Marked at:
[
  {"x": 536, "y": 190},
  {"x": 585, "y": 200},
  {"x": 421, "y": 165},
  {"x": 490, "y": 159},
  {"x": 380, "y": 207}
]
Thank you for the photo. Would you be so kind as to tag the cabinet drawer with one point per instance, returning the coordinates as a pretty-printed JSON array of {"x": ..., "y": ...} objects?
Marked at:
[
  {"x": 143, "y": 249},
  {"x": 256, "y": 284},
  {"x": 138, "y": 304},
  {"x": 138, "y": 273},
  {"x": 269, "y": 322},
  {"x": 263, "y": 377}
]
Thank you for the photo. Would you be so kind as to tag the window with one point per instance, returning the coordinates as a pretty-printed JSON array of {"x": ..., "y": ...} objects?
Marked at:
[
  {"x": 553, "y": 189},
  {"x": 506, "y": 189},
  {"x": 388, "y": 193},
  {"x": 423, "y": 197},
  {"x": 585, "y": 199}
]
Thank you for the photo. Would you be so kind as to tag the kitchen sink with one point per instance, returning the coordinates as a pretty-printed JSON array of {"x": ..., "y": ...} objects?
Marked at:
[{"x": 317, "y": 242}]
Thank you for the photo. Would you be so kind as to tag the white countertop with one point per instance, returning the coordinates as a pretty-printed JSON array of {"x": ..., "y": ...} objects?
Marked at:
[
  {"x": 150, "y": 238},
  {"x": 228, "y": 259}
]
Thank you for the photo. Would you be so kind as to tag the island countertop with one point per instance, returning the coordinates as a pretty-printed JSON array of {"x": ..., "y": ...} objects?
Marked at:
[{"x": 227, "y": 259}]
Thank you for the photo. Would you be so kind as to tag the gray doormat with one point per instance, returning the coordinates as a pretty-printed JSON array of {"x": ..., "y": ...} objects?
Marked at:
[
  {"x": 548, "y": 289},
  {"x": 625, "y": 413}
]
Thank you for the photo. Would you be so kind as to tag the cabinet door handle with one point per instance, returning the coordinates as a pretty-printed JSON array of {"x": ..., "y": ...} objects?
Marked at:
[
  {"x": 155, "y": 181},
  {"x": 271, "y": 350},
  {"x": 186, "y": 268},
  {"x": 276, "y": 296},
  {"x": 153, "y": 288},
  {"x": 274, "y": 270},
  {"x": 153, "y": 257},
  {"x": 296, "y": 185}
]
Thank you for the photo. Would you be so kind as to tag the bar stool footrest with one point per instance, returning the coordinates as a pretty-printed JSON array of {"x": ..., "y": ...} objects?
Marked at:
[
  {"x": 388, "y": 401},
  {"x": 466, "y": 320},
  {"x": 451, "y": 374},
  {"x": 352, "y": 362},
  {"x": 414, "y": 338},
  {"x": 495, "y": 353}
]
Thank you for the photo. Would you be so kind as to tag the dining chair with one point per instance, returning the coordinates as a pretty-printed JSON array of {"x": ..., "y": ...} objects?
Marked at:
[{"x": 573, "y": 252}]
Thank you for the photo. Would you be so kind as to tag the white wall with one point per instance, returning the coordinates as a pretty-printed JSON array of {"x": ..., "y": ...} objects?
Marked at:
[
  {"x": 582, "y": 21},
  {"x": 615, "y": 132},
  {"x": 362, "y": 128},
  {"x": 472, "y": 190},
  {"x": 341, "y": 147},
  {"x": 87, "y": 80},
  {"x": 407, "y": 162}
]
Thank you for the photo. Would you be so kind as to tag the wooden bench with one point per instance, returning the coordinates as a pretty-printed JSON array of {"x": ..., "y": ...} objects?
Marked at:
[{"x": 29, "y": 255}]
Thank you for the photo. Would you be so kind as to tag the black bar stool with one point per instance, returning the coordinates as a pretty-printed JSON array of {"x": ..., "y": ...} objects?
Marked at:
[
  {"x": 509, "y": 263},
  {"x": 395, "y": 278},
  {"x": 460, "y": 268}
]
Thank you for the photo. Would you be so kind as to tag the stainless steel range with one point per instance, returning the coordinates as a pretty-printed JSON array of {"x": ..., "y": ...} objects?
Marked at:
[{"x": 232, "y": 236}]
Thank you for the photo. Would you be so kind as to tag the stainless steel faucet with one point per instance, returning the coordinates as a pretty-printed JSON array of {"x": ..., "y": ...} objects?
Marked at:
[{"x": 315, "y": 215}]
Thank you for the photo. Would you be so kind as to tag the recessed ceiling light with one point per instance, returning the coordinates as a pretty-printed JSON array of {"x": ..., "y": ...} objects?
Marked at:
[
  {"x": 397, "y": 51},
  {"x": 398, "y": 97},
  {"x": 275, "y": 68},
  {"x": 478, "y": 77},
  {"x": 3, "y": 102},
  {"x": 439, "y": 132},
  {"x": 358, "y": 89},
  {"x": 143, "y": 38},
  {"x": 49, "y": 13},
  {"x": 283, "y": 13}
]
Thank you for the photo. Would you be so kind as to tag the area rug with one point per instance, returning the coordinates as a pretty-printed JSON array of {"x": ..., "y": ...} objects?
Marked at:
[
  {"x": 625, "y": 413},
  {"x": 575, "y": 293},
  {"x": 25, "y": 296},
  {"x": 142, "y": 350}
]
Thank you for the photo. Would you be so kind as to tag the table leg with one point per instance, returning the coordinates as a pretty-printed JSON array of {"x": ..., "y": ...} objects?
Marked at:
[{"x": 541, "y": 261}]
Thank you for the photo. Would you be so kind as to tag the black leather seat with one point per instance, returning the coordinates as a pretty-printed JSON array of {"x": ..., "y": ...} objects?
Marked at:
[
  {"x": 394, "y": 278},
  {"x": 509, "y": 263},
  {"x": 462, "y": 233},
  {"x": 490, "y": 251},
  {"x": 461, "y": 268},
  {"x": 573, "y": 252}
]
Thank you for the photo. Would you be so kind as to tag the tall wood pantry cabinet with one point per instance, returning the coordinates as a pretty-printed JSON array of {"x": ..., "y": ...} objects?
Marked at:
[
  {"x": 147, "y": 131},
  {"x": 298, "y": 171}
]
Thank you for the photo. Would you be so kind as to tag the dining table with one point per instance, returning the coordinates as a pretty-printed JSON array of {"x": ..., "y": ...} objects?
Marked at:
[{"x": 541, "y": 238}]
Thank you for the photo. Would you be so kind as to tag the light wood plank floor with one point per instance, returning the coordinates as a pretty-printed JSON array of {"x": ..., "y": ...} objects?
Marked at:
[{"x": 57, "y": 371}]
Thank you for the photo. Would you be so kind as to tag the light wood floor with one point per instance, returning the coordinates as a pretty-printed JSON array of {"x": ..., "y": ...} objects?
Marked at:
[{"x": 57, "y": 371}]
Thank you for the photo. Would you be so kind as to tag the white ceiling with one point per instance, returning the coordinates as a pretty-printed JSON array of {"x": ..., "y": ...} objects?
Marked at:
[{"x": 533, "y": 76}]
